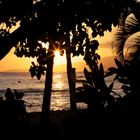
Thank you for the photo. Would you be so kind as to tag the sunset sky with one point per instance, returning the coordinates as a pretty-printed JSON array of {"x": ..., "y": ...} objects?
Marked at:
[{"x": 12, "y": 63}]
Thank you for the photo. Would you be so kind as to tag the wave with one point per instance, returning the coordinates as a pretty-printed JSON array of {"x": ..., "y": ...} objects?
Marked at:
[{"x": 34, "y": 91}]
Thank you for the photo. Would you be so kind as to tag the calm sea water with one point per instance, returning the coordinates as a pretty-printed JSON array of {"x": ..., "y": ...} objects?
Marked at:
[{"x": 33, "y": 89}]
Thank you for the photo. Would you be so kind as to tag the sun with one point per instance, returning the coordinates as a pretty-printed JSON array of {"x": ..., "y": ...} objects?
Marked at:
[
  {"x": 59, "y": 59},
  {"x": 57, "y": 53}
]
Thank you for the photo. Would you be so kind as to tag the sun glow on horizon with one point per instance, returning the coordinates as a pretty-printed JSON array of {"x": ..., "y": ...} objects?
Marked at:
[
  {"x": 11, "y": 62},
  {"x": 58, "y": 59},
  {"x": 57, "y": 53}
]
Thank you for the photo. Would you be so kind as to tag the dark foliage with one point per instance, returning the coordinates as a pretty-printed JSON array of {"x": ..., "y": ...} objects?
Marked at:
[{"x": 65, "y": 23}]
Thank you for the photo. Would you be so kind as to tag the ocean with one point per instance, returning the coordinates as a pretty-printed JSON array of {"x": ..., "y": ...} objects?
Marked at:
[{"x": 33, "y": 89}]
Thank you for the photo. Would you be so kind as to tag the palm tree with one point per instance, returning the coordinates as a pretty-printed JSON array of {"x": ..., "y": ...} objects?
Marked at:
[{"x": 126, "y": 48}]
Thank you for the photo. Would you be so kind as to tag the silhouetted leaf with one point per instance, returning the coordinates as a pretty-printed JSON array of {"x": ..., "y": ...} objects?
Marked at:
[
  {"x": 38, "y": 75},
  {"x": 110, "y": 88},
  {"x": 101, "y": 33},
  {"x": 111, "y": 71},
  {"x": 119, "y": 64},
  {"x": 94, "y": 44},
  {"x": 125, "y": 87},
  {"x": 88, "y": 77},
  {"x": 62, "y": 52},
  {"x": 123, "y": 80},
  {"x": 32, "y": 71},
  {"x": 95, "y": 74},
  {"x": 116, "y": 77},
  {"x": 80, "y": 89},
  {"x": 116, "y": 93},
  {"x": 126, "y": 92},
  {"x": 102, "y": 70},
  {"x": 101, "y": 75},
  {"x": 87, "y": 86}
]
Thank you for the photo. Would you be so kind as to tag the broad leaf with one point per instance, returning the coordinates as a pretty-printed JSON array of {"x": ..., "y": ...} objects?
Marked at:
[
  {"x": 88, "y": 77},
  {"x": 111, "y": 71},
  {"x": 125, "y": 87},
  {"x": 110, "y": 88},
  {"x": 123, "y": 80}
]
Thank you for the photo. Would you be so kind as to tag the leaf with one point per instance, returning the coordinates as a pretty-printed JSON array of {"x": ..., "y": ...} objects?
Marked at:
[
  {"x": 79, "y": 88},
  {"x": 115, "y": 78},
  {"x": 95, "y": 75},
  {"x": 102, "y": 70},
  {"x": 38, "y": 75},
  {"x": 101, "y": 33},
  {"x": 119, "y": 64},
  {"x": 110, "y": 88},
  {"x": 101, "y": 75},
  {"x": 87, "y": 86},
  {"x": 32, "y": 71},
  {"x": 62, "y": 52},
  {"x": 126, "y": 88},
  {"x": 126, "y": 92},
  {"x": 123, "y": 80},
  {"x": 94, "y": 44},
  {"x": 116, "y": 93},
  {"x": 111, "y": 71},
  {"x": 88, "y": 77}
]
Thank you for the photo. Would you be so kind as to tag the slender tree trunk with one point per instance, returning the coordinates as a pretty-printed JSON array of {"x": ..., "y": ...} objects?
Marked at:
[
  {"x": 45, "y": 120},
  {"x": 71, "y": 77}
]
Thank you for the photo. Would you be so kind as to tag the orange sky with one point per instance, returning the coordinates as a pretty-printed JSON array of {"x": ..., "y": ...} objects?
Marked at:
[{"x": 11, "y": 62}]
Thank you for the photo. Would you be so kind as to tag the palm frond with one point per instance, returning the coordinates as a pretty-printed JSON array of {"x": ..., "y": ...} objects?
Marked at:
[
  {"x": 132, "y": 47},
  {"x": 118, "y": 44},
  {"x": 132, "y": 25},
  {"x": 122, "y": 33}
]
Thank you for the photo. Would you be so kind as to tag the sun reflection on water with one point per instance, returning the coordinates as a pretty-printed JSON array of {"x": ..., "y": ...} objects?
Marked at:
[
  {"x": 59, "y": 85},
  {"x": 59, "y": 82},
  {"x": 60, "y": 101},
  {"x": 60, "y": 96}
]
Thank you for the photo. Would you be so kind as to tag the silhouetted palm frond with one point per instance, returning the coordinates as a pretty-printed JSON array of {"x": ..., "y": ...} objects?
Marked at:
[
  {"x": 132, "y": 47},
  {"x": 124, "y": 34}
]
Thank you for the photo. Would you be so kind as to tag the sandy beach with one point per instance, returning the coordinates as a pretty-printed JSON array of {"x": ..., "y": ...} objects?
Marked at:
[{"x": 67, "y": 124}]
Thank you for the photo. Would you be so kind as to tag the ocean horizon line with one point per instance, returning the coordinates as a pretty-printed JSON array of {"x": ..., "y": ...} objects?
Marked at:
[{"x": 22, "y": 71}]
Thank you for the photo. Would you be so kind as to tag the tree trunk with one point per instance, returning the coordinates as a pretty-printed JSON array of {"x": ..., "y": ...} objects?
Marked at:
[
  {"x": 45, "y": 120},
  {"x": 71, "y": 79}
]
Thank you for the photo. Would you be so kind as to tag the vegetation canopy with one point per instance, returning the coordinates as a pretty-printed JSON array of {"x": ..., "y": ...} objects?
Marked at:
[{"x": 61, "y": 24}]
